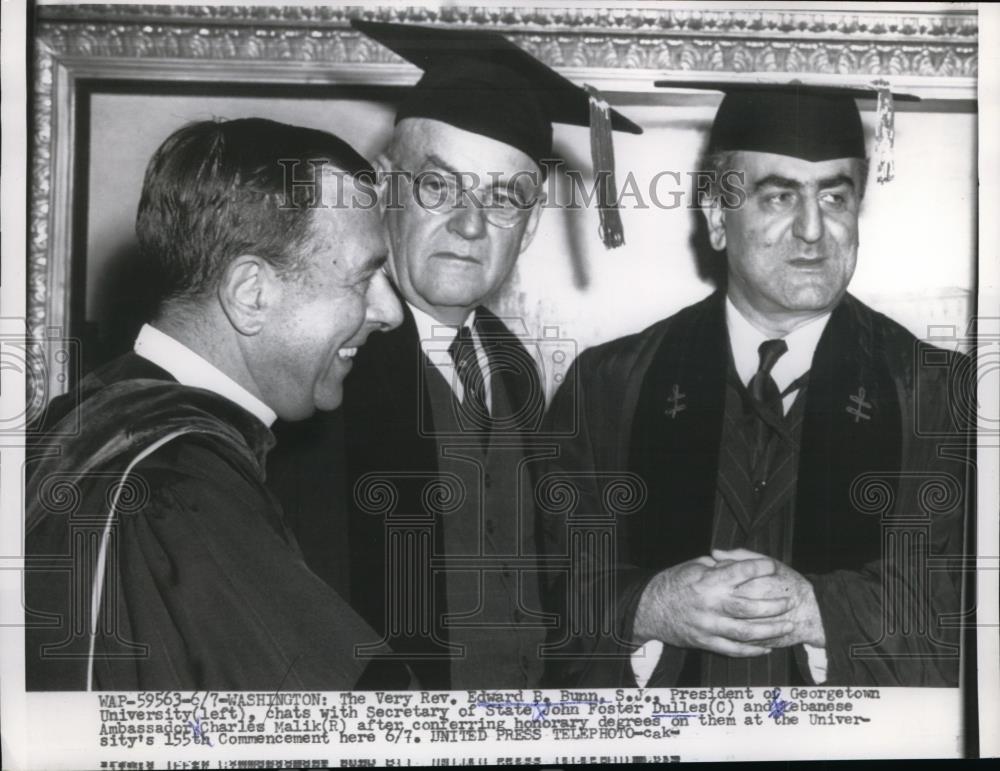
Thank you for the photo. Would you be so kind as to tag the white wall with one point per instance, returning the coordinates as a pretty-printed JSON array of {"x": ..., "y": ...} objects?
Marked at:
[{"x": 918, "y": 233}]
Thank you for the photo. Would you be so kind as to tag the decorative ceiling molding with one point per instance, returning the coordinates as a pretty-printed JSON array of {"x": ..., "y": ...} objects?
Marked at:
[
  {"x": 664, "y": 40},
  {"x": 955, "y": 24}
]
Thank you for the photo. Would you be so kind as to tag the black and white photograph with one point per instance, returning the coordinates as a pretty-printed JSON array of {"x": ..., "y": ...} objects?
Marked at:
[{"x": 539, "y": 383}]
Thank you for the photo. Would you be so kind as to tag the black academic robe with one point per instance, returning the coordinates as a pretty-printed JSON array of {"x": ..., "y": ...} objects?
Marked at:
[
  {"x": 329, "y": 472},
  {"x": 881, "y": 495},
  {"x": 204, "y": 588}
]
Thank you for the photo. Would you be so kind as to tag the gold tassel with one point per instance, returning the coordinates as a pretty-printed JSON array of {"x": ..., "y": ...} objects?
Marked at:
[
  {"x": 602, "y": 154},
  {"x": 885, "y": 133}
]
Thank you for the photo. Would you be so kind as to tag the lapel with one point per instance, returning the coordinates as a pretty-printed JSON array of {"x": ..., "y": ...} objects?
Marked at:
[
  {"x": 783, "y": 476},
  {"x": 852, "y": 425},
  {"x": 518, "y": 407},
  {"x": 734, "y": 483},
  {"x": 511, "y": 363},
  {"x": 676, "y": 433}
]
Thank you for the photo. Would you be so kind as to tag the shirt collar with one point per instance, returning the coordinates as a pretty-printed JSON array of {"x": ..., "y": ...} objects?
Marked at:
[
  {"x": 429, "y": 328},
  {"x": 745, "y": 339},
  {"x": 190, "y": 369}
]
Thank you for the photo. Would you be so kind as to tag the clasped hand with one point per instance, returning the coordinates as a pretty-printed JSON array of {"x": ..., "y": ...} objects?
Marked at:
[{"x": 735, "y": 603}]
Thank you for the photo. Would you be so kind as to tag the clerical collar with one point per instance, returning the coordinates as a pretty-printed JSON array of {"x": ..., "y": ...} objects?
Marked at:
[
  {"x": 745, "y": 339},
  {"x": 190, "y": 369}
]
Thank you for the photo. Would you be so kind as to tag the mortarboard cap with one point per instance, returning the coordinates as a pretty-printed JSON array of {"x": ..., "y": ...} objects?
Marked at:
[
  {"x": 481, "y": 82},
  {"x": 811, "y": 122}
]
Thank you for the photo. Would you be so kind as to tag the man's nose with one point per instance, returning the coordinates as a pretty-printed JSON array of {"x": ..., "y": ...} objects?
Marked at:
[
  {"x": 384, "y": 311},
  {"x": 468, "y": 221},
  {"x": 808, "y": 224}
]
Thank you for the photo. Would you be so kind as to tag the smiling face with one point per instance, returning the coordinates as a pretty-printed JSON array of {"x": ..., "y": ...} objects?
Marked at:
[
  {"x": 448, "y": 261},
  {"x": 324, "y": 312},
  {"x": 792, "y": 247}
]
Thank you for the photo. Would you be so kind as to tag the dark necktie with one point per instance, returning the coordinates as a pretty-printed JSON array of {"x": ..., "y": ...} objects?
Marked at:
[
  {"x": 474, "y": 412},
  {"x": 767, "y": 405}
]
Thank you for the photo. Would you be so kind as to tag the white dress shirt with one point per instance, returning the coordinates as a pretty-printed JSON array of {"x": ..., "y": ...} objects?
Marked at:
[
  {"x": 436, "y": 338},
  {"x": 190, "y": 369},
  {"x": 744, "y": 341}
]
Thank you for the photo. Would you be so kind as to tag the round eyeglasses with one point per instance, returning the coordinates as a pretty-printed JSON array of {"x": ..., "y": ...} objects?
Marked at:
[{"x": 443, "y": 193}]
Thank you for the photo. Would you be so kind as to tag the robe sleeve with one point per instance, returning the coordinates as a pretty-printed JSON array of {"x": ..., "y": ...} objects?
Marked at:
[{"x": 206, "y": 578}]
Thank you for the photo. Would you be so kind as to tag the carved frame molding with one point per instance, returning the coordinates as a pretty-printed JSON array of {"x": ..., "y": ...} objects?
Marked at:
[{"x": 618, "y": 49}]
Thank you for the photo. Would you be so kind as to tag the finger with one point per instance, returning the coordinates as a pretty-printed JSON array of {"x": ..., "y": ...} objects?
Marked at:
[
  {"x": 749, "y": 631},
  {"x": 735, "y": 649},
  {"x": 775, "y": 642},
  {"x": 739, "y": 572},
  {"x": 708, "y": 562},
  {"x": 738, "y": 607},
  {"x": 736, "y": 555},
  {"x": 766, "y": 588}
]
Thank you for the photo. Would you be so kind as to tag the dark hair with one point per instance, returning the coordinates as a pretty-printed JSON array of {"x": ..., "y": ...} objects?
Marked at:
[{"x": 217, "y": 189}]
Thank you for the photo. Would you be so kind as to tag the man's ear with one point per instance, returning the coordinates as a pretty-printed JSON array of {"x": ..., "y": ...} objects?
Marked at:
[
  {"x": 532, "y": 227},
  {"x": 715, "y": 218},
  {"x": 247, "y": 291}
]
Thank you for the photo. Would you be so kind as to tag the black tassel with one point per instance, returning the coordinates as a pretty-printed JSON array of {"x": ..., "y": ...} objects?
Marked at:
[
  {"x": 885, "y": 133},
  {"x": 602, "y": 154}
]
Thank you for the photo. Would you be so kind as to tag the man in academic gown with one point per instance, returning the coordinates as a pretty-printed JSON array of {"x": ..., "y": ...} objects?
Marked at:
[
  {"x": 437, "y": 548},
  {"x": 801, "y": 459},
  {"x": 157, "y": 558}
]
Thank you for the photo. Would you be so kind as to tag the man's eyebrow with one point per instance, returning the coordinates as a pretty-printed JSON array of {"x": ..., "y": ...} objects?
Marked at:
[
  {"x": 438, "y": 163},
  {"x": 433, "y": 160},
  {"x": 776, "y": 180},
  {"x": 836, "y": 181}
]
